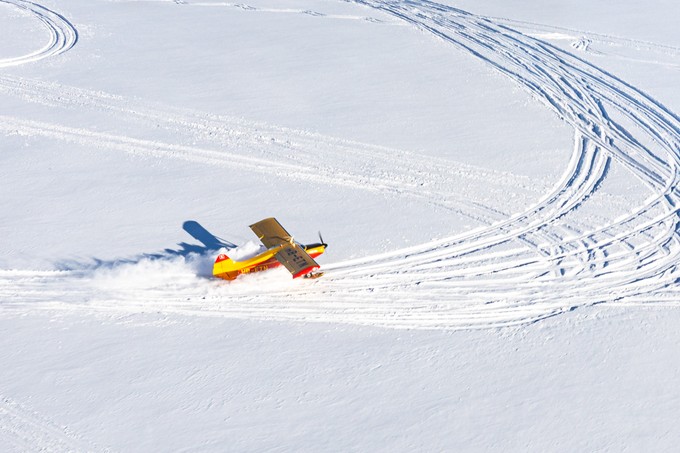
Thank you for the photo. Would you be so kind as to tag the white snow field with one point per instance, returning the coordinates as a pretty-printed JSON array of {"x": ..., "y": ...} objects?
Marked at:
[{"x": 498, "y": 182}]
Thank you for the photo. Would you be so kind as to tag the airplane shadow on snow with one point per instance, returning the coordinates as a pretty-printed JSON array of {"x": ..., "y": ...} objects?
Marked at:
[{"x": 211, "y": 244}]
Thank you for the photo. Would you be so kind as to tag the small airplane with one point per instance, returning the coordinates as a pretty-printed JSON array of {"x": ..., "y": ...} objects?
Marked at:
[{"x": 282, "y": 249}]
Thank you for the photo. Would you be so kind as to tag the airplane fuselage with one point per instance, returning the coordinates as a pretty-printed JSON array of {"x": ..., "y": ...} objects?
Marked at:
[{"x": 229, "y": 269}]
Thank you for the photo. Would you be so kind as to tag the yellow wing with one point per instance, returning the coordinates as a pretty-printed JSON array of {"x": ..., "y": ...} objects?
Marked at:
[
  {"x": 296, "y": 260},
  {"x": 271, "y": 233},
  {"x": 291, "y": 255}
]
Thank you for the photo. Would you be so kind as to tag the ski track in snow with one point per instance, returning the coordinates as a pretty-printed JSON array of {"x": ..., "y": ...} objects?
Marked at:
[
  {"x": 308, "y": 12},
  {"x": 26, "y": 430},
  {"x": 62, "y": 34},
  {"x": 282, "y": 152},
  {"x": 564, "y": 33},
  {"x": 520, "y": 268}
]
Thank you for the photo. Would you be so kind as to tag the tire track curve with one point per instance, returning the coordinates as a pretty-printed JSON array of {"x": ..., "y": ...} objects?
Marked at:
[{"x": 62, "y": 34}]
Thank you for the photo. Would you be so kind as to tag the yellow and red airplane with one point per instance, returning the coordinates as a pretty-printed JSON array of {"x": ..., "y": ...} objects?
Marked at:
[{"x": 282, "y": 249}]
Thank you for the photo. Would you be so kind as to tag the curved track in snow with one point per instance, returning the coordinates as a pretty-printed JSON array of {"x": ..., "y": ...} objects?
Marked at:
[
  {"x": 62, "y": 34},
  {"x": 281, "y": 152},
  {"x": 524, "y": 267},
  {"x": 24, "y": 429}
]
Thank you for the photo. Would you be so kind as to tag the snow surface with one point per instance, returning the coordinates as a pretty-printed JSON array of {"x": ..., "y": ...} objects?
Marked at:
[{"x": 497, "y": 181}]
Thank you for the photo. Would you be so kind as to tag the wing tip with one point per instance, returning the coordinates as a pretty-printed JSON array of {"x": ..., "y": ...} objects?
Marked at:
[{"x": 305, "y": 271}]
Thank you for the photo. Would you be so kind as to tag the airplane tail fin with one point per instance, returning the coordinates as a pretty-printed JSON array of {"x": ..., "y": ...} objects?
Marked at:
[
  {"x": 224, "y": 267},
  {"x": 221, "y": 257}
]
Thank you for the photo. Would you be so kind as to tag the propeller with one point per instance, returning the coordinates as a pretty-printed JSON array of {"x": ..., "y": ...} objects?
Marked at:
[{"x": 322, "y": 241}]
